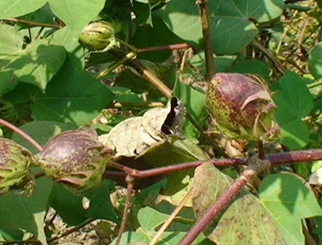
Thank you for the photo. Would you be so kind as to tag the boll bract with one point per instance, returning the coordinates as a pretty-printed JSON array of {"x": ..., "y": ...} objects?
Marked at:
[{"x": 14, "y": 163}]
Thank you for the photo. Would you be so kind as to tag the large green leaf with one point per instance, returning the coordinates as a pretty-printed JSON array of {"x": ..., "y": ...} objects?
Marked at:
[
  {"x": 288, "y": 201},
  {"x": 315, "y": 61},
  {"x": 36, "y": 64},
  {"x": 253, "y": 66},
  {"x": 72, "y": 96},
  {"x": 294, "y": 102},
  {"x": 98, "y": 204},
  {"x": 244, "y": 221},
  {"x": 230, "y": 23},
  {"x": 21, "y": 212},
  {"x": 9, "y": 8},
  {"x": 76, "y": 14}
]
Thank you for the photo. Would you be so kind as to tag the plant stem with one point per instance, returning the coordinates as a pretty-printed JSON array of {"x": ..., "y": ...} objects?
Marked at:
[
  {"x": 261, "y": 152},
  {"x": 255, "y": 166},
  {"x": 150, "y": 77},
  {"x": 312, "y": 85},
  {"x": 166, "y": 47},
  {"x": 104, "y": 72},
  {"x": 130, "y": 183},
  {"x": 21, "y": 133},
  {"x": 269, "y": 55},
  {"x": 275, "y": 159},
  {"x": 33, "y": 23},
  {"x": 206, "y": 33}
]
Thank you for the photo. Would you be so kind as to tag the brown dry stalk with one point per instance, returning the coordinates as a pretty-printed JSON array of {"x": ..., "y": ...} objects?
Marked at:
[{"x": 206, "y": 33}]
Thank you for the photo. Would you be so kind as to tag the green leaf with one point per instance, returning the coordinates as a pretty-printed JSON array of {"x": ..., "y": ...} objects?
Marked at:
[
  {"x": 161, "y": 36},
  {"x": 229, "y": 22},
  {"x": 98, "y": 204},
  {"x": 315, "y": 61},
  {"x": 76, "y": 14},
  {"x": 9, "y": 9},
  {"x": 21, "y": 212},
  {"x": 223, "y": 63},
  {"x": 72, "y": 96},
  {"x": 242, "y": 222},
  {"x": 288, "y": 201},
  {"x": 293, "y": 101},
  {"x": 36, "y": 64},
  {"x": 149, "y": 220},
  {"x": 142, "y": 10},
  {"x": 194, "y": 102},
  {"x": 251, "y": 67},
  {"x": 40, "y": 131}
]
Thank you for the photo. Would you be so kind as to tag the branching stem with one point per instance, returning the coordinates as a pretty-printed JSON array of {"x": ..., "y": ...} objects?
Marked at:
[{"x": 21, "y": 133}]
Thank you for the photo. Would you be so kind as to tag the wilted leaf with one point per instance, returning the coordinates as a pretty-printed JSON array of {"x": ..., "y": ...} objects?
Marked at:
[
  {"x": 134, "y": 135},
  {"x": 242, "y": 222},
  {"x": 288, "y": 201}
]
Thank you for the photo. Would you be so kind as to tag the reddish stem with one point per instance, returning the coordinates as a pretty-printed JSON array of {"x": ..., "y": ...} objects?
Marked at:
[
  {"x": 21, "y": 133},
  {"x": 215, "y": 209},
  {"x": 130, "y": 183},
  {"x": 274, "y": 159},
  {"x": 166, "y": 47}
]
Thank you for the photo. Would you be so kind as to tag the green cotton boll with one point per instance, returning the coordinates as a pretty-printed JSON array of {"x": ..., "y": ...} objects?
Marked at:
[
  {"x": 76, "y": 159},
  {"x": 14, "y": 163},
  {"x": 100, "y": 35},
  {"x": 241, "y": 107}
]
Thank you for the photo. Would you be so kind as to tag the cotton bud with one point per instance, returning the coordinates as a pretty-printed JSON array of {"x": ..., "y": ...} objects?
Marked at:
[
  {"x": 241, "y": 107},
  {"x": 100, "y": 35},
  {"x": 76, "y": 159}
]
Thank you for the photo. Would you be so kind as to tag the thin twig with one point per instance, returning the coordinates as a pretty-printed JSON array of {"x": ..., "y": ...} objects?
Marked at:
[
  {"x": 76, "y": 228},
  {"x": 21, "y": 133},
  {"x": 116, "y": 64},
  {"x": 130, "y": 183},
  {"x": 33, "y": 23},
  {"x": 150, "y": 77},
  {"x": 261, "y": 152},
  {"x": 276, "y": 63},
  {"x": 166, "y": 47},
  {"x": 171, "y": 217},
  {"x": 21, "y": 242}
]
